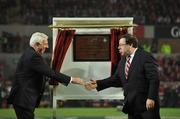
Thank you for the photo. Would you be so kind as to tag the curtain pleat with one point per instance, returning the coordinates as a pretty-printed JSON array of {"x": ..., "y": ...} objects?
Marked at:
[{"x": 63, "y": 41}]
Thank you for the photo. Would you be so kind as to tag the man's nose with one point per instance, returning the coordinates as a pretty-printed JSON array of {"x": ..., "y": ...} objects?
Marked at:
[{"x": 47, "y": 46}]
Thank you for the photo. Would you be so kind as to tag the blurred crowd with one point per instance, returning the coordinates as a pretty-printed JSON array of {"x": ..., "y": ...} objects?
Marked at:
[
  {"x": 169, "y": 68},
  {"x": 10, "y": 43},
  {"x": 41, "y": 11},
  {"x": 169, "y": 74},
  {"x": 16, "y": 43}
]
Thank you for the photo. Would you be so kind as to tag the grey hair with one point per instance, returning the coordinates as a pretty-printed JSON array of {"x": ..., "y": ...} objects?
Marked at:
[{"x": 37, "y": 37}]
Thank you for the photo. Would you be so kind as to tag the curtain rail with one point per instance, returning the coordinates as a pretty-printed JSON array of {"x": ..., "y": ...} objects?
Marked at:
[{"x": 92, "y": 26}]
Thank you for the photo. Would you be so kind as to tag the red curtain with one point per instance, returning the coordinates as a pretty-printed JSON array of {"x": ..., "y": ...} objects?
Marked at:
[
  {"x": 63, "y": 41},
  {"x": 115, "y": 56}
]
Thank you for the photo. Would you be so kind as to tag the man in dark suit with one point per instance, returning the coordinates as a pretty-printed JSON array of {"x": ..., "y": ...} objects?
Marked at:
[
  {"x": 138, "y": 74},
  {"x": 29, "y": 83}
]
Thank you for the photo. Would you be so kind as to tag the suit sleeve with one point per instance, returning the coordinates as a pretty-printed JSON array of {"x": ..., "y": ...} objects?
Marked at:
[
  {"x": 151, "y": 73},
  {"x": 38, "y": 65},
  {"x": 113, "y": 81}
]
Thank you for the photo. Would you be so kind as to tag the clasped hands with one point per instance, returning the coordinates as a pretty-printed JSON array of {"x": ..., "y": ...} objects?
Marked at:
[
  {"x": 92, "y": 84},
  {"x": 88, "y": 85}
]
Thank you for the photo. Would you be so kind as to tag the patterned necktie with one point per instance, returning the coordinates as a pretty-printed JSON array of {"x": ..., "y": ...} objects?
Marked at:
[{"x": 127, "y": 66}]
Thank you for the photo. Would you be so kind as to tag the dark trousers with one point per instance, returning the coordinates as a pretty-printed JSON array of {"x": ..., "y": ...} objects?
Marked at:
[
  {"x": 23, "y": 113},
  {"x": 151, "y": 114}
]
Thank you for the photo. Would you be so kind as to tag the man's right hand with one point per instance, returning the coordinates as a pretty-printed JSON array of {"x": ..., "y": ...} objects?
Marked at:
[
  {"x": 90, "y": 85},
  {"x": 77, "y": 80}
]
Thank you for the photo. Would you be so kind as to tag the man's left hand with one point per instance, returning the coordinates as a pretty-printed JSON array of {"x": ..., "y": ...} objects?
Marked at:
[{"x": 150, "y": 104}]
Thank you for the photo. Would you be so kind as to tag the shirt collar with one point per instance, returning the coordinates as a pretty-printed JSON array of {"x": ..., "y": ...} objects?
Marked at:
[{"x": 132, "y": 55}]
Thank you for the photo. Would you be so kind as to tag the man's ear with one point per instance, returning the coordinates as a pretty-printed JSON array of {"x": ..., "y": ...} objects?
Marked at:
[
  {"x": 37, "y": 43},
  {"x": 131, "y": 45}
]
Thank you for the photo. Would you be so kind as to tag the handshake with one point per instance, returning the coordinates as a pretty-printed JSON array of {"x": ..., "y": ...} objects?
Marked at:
[{"x": 88, "y": 85}]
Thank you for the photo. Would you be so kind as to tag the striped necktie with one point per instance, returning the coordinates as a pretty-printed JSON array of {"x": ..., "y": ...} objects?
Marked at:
[{"x": 127, "y": 66}]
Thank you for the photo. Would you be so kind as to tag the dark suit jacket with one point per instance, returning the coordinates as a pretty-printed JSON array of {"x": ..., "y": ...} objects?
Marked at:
[
  {"x": 29, "y": 82},
  {"x": 142, "y": 82}
]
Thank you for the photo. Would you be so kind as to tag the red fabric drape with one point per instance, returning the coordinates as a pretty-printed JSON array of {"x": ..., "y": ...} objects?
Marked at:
[
  {"x": 115, "y": 56},
  {"x": 63, "y": 41}
]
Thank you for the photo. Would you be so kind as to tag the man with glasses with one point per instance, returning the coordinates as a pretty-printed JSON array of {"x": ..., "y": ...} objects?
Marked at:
[{"x": 137, "y": 73}]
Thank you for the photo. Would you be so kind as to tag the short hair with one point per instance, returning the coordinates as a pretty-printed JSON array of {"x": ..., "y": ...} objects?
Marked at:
[
  {"x": 37, "y": 37},
  {"x": 131, "y": 40}
]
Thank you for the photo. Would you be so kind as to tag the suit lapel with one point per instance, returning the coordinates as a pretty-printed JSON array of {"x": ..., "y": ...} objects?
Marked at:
[{"x": 134, "y": 62}]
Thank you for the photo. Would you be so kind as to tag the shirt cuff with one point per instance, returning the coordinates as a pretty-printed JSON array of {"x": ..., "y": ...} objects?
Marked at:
[{"x": 70, "y": 80}]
